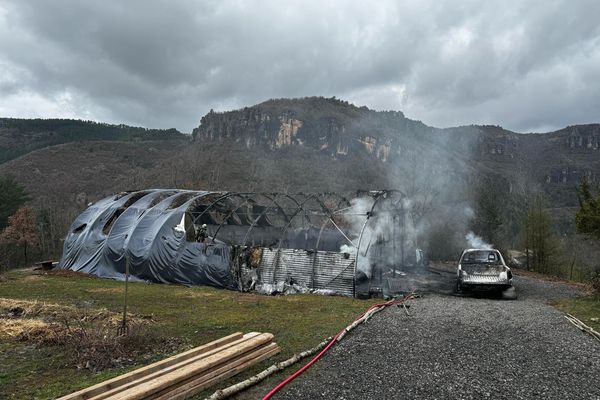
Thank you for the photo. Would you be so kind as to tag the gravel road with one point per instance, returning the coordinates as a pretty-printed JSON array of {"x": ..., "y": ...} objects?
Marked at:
[{"x": 461, "y": 347}]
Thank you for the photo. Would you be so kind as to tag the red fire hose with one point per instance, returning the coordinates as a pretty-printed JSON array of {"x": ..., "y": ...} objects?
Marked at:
[{"x": 331, "y": 343}]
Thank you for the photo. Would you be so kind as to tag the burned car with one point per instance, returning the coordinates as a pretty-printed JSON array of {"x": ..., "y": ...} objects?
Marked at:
[{"x": 483, "y": 268}]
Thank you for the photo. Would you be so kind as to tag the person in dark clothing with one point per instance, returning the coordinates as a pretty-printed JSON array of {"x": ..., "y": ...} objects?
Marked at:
[{"x": 202, "y": 234}]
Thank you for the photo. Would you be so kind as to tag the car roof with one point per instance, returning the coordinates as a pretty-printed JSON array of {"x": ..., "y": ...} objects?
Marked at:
[{"x": 469, "y": 250}]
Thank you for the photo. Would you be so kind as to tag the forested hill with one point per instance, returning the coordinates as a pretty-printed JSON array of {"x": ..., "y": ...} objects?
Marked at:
[
  {"x": 269, "y": 140},
  {"x": 554, "y": 161},
  {"x": 21, "y": 136},
  {"x": 304, "y": 145}
]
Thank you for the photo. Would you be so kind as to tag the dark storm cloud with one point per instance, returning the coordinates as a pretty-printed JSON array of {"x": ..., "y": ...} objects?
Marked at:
[{"x": 528, "y": 66}]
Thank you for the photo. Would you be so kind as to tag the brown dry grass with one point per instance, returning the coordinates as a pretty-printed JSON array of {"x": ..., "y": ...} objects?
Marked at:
[
  {"x": 93, "y": 347},
  {"x": 22, "y": 328},
  {"x": 91, "y": 336},
  {"x": 52, "y": 312},
  {"x": 118, "y": 291},
  {"x": 65, "y": 272}
]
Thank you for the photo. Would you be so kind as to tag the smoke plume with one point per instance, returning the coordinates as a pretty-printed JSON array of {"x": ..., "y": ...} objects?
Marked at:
[{"x": 476, "y": 242}]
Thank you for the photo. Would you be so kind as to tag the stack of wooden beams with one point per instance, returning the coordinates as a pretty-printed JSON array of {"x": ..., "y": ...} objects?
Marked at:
[{"x": 187, "y": 373}]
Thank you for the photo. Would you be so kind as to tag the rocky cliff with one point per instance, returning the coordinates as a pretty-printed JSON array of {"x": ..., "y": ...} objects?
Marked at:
[
  {"x": 340, "y": 129},
  {"x": 329, "y": 126}
]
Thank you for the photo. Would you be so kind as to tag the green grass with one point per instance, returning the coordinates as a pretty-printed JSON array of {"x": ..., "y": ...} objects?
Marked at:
[
  {"x": 586, "y": 309},
  {"x": 191, "y": 315}
]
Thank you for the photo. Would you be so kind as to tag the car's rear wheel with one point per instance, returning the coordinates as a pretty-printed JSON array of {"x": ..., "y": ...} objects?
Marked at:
[{"x": 459, "y": 287}]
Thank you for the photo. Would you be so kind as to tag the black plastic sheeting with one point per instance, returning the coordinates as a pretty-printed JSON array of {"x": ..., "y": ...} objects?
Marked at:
[{"x": 150, "y": 228}]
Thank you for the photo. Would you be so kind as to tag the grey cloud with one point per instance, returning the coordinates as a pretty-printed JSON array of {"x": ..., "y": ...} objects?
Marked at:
[{"x": 526, "y": 66}]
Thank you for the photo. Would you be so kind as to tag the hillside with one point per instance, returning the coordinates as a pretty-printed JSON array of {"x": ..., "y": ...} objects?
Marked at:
[
  {"x": 73, "y": 173},
  {"x": 554, "y": 162},
  {"x": 293, "y": 140},
  {"x": 302, "y": 145},
  {"x": 21, "y": 136}
]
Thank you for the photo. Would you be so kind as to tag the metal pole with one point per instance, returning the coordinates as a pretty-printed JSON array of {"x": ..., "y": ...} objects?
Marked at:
[
  {"x": 124, "y": 329},
  {"x": 394, "y": 242}
]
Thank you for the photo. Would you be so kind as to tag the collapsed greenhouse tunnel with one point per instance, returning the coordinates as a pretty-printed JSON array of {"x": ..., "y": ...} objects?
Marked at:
[{"x": 269, "y": 242}]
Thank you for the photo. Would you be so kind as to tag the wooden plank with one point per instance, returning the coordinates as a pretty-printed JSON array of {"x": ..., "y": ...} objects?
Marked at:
[
  {"x": 219, "y": 372},
  {"x": 171, "y": 368},
  {"x": 206, "y": 384},
  {"x": 101, "y": 387},
  {"x": 143, "y": 391}
]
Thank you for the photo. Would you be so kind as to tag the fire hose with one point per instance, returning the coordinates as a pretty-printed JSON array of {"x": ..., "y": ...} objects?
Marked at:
[{"x": 360, "y": 319}]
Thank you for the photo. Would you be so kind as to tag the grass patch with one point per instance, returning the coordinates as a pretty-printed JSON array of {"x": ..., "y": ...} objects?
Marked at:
[
  {"x": 187, "y": 316},
  {"x": 586, "y": 309}
]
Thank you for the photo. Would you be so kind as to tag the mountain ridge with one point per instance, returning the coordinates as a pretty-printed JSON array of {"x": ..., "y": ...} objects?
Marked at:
[
  {"x": 19, "y": 136},
  {"x": 554, "y": 161},
  {"x": 336, "y": 127}
]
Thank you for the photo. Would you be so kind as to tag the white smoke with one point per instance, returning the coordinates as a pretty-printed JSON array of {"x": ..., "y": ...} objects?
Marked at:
[
  {"x": 383, "y": 226},
  {"x": 355, "y": 217},
  {"x": 476, "y": 242},
  {"x": 469, "y": 213},
  {"x": 348, "y": 249}
]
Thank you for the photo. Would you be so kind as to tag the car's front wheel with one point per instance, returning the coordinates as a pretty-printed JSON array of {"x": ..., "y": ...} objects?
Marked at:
[{"x": 509, "y": 293}]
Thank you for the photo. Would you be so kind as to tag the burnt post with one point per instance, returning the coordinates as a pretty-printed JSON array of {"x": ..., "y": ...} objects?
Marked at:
[{"x": 124, "y": 328}]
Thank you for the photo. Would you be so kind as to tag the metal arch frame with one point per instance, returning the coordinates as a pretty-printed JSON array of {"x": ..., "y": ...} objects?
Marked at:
[
  {"x": 341, "y": 198},
  {"x": 316, "y": 249},
  {"x": 246, "y": 198},
  {"x": 300, "y": 208},
  {"x": 281, "y": 209},
  {"x": 292, "y": 198},
  {"x": 289, "y": 220},
  {"x": 329, "y": 214},
  {"x": 378, "y": 197},
  {"x": 263, "y": 213},
  {"x": 252, "y": 225},
  {"x": 273, "y": 198},
  {"x": 224, "y": 196},
  {"x": 274, "y": 203},
  {"x": 314, "y": 260}
]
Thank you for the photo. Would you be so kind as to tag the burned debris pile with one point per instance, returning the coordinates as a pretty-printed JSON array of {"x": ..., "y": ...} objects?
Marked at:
[{"x": 327, "y": 243}]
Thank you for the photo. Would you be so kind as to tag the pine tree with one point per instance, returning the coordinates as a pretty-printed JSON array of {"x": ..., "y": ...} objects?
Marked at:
[
  {"x": 12, "y": 196},
  {"x": 587, "y": 218},
  {"x": 540, "y": 241}
]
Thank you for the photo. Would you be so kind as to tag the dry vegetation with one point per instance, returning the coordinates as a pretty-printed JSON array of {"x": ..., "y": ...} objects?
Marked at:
[
  {"x": 60, "y": 334},
  {"x": 89, "y": 335}
]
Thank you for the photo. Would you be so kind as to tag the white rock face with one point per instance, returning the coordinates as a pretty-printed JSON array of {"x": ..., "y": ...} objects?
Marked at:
[{"x": 287, "y": 131}]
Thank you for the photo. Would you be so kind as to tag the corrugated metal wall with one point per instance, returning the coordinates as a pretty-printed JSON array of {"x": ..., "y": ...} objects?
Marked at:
[{"x": 315, "y": 270}]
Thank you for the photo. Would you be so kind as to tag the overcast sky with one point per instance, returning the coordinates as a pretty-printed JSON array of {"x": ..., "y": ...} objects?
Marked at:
[{"x": 530, "y": 66}]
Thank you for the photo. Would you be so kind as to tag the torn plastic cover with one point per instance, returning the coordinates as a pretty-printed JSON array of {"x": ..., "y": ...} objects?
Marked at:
[{"x": 154, "y": 231}]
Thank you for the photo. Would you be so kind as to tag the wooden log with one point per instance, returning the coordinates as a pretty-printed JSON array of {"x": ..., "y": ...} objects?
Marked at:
[
  {"x": 583, "y": 327},
  {"x": 155, "y": 385},
  {"x": 224, "y": 371},
  {"x": 238, "y": 387},
  {"x": 102, "y": 387},
  {"x": 359, "y": 321},
  {"x": 234, "y": 389},
  {"x": 229, "y": 374},
  {"x": 171, "y": 368}
]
